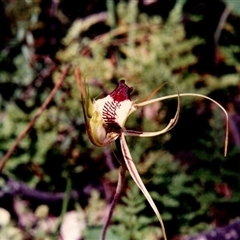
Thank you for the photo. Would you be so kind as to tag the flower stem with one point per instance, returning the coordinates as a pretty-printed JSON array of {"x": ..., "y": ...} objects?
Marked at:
[
  {"x": 64, "y": 207},
  {"x": 120, "y": 184}
]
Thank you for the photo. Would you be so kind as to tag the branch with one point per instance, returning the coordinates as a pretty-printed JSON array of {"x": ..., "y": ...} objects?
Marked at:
[
  {"x": 19, "y": 188},
  {"x": 33, "y": 120}
]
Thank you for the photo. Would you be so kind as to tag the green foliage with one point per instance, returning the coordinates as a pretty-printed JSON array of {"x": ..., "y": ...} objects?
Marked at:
[
  {"x": 137, "y": 225},
  {"x": 153, "y": 54},
  {"x": 231, "y": 53}
]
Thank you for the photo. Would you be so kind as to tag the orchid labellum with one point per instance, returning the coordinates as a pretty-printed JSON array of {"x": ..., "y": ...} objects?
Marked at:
[{"x": 105, "y": 119}]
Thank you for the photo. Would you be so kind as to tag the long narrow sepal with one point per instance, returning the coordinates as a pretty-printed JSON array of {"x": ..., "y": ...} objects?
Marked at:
[
  {"x": 193, "y": 95},
  {"x": 171, "y": 123},
  {"x": 137, "y": 179},
  {"x": 147, "y": 134},
  {"x": 84, "y": 99}
]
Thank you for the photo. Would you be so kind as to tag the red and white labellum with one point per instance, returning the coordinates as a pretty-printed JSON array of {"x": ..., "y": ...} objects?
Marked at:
[
  {"x": 116, "y": 107},
  {"x": 110, "y": 114}
]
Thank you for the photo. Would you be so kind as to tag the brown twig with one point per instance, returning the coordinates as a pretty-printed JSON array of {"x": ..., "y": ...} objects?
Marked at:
[
  {"x": 222, "y": 21},
  {"x": 33, "y": 120}
]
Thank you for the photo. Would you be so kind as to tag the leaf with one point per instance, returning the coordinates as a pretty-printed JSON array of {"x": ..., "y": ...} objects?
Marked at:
[{"x": 94, "y": 232}]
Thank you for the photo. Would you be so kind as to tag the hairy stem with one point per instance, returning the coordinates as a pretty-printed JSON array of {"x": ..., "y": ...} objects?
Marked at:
[{"x": 120, "y": 184}]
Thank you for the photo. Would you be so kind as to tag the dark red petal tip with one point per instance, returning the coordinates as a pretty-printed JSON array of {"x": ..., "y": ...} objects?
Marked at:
[{"x": 122, "y": 92}]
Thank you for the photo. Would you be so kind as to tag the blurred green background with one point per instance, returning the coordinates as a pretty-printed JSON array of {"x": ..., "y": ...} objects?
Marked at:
[{"x": 194, "y": 44}]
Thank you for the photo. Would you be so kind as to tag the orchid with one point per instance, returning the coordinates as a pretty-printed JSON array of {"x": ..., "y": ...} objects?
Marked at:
[{"x": 105, "y": 122}]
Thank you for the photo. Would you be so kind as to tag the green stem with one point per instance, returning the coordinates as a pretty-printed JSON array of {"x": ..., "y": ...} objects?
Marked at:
[
  {"x": 111, "y": 13},
  {"x": 64, "y": 207},
  {"x": 120, "y": 184},
  {"x": 133, "y": 10},
  {"x": 112, "y": 19}
]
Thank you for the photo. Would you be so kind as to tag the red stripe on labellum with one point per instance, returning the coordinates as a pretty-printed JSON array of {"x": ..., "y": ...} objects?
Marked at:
[
  {"x": 133, "y": 132},
  {"x": 122, "y": 92}
]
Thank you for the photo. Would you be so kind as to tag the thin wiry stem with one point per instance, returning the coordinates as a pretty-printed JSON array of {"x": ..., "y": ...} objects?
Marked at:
[
  {"x": 36, "y": 116},
  {"x": 222, "y": 21},
  {"x": 217, "y": 33},
  {"x": 65, "y": 203},
  {"x": 120, "y": 184},
  {"x": 133, "y": 9}
]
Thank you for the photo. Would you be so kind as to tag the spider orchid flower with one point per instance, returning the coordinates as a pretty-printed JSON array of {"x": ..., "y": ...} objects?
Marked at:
[{"x": 105, "y": 119}]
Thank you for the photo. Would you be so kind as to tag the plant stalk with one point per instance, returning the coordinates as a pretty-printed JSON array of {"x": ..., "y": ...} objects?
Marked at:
[
  {"x": 117, "y": 195},
  {"x": 66, "y": 198}
]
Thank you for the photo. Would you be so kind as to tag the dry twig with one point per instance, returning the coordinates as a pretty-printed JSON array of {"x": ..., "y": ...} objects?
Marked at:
[{"x": 36, "y": 116}]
